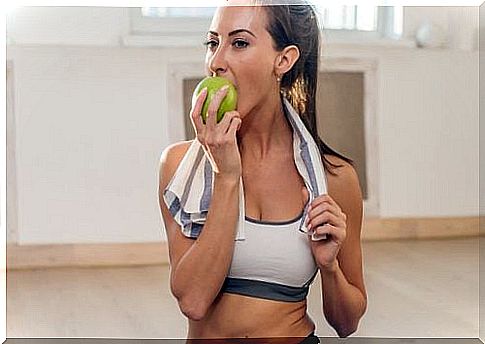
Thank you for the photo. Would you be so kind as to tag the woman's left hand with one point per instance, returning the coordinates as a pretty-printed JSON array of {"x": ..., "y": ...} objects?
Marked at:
[{"x": 325, "y": 217}]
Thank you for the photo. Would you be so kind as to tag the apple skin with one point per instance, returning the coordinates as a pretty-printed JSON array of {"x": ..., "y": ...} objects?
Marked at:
[{"x": 213, "y": 84}]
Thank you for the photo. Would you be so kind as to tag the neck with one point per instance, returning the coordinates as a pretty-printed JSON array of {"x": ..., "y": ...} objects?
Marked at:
[{"x": 265, "y": 132}]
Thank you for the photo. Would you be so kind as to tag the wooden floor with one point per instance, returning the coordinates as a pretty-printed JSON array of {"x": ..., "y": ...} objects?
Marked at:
[{"x": 416, "y": 289}]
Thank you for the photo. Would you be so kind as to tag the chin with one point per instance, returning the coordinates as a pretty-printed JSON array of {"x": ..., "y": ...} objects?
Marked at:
[
  {"x": 242, "y": 114},
  {"x": 243, "y": 111}
]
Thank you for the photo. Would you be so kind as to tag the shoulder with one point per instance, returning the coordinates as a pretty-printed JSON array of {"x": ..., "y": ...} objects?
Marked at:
[
  {"x": 175, "y": 150},
  {"x": 343, "y": 186},
  {"x": 170, "y": 158},
  {"x": 343, "y": 173}
]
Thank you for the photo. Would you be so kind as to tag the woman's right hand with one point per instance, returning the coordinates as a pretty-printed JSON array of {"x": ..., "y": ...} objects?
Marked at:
[{"x": 218, "y": 139}]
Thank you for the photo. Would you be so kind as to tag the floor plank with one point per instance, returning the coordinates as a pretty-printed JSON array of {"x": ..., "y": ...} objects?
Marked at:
[{"x": 416, "y": 289}]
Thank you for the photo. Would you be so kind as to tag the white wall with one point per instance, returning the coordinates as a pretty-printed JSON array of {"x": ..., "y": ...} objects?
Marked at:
[
  {"x": 89, "y": 133},
  {"x": 100, "y": 26},
  {"x": 90, "y": 127},
  {"x": 459, "y": 22},
  {"x": 428, "y": 131}
]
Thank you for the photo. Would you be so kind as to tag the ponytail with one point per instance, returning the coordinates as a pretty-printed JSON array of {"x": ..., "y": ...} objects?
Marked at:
[{"x": 298, "y": 25}]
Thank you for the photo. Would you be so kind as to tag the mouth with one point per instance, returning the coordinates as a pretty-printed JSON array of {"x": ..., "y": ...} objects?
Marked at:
[{"x": 232, "y": 81}]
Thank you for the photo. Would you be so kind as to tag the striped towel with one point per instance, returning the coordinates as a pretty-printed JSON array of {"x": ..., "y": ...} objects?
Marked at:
[{"x": 188, "y": 194}]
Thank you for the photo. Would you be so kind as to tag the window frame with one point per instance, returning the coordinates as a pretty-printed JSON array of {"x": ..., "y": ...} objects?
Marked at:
[
  {"x": 141, "y": 25},
  {"x": 194, "y": 29}
]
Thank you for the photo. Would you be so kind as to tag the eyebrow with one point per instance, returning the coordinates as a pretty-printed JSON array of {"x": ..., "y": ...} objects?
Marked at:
[{"x": 234, "y": 32}]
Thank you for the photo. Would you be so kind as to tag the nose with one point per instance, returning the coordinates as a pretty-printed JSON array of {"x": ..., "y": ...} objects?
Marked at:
[{"x": 217, "y": 62}]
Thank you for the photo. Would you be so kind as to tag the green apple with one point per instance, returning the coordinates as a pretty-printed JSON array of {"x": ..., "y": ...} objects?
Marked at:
[{"x": 213, "y": 84}]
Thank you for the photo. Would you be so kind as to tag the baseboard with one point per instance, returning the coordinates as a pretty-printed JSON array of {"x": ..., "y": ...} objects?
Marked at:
[
  {"x": 86, "y": 255},
  {"x": 420, "y": 228},
  {"x": 110, "y": 255}
]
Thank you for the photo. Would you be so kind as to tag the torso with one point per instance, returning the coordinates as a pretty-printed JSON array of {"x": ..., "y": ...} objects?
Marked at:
[{"x": 257, "y": 317}]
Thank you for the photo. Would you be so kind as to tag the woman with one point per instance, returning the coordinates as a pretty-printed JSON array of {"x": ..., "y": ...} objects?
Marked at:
[{"x": 267, "y": 52}]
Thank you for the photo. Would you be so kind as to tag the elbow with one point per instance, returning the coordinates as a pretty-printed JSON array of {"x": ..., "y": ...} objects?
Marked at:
[
  {"x": 353, "y": 325},
  {"x": 194, "y": 313},
  {"x": 193, "y": 308},
  {"x": 345, "y": 330},
  {"x": 344, "y": 333}
]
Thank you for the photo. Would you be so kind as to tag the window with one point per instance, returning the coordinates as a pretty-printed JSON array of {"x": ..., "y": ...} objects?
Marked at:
[
  {"x": 165, "y": 12},
  {"x": 378, "y": 21},
  {"x": 348, "y": 17}
]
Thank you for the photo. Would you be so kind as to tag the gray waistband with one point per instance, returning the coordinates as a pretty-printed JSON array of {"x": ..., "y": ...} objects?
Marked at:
[{"x": 266, "y": 290}]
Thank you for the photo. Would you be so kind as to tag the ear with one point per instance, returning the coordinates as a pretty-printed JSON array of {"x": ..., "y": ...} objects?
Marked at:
[{"x": 286, "y": 59}]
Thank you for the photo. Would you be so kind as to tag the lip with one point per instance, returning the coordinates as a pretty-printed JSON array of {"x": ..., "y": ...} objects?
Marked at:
[{"x": 232, "y": 81}]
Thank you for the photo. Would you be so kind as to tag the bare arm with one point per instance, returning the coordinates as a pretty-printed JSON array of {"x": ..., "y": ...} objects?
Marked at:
[
  {"x": 343, "y": 290},
  {"x": 199, "y": 267}
]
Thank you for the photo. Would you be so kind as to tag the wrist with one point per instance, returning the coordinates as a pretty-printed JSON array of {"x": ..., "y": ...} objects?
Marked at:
[
  {"x": 230, "y": 180},
  {"x": 330, "y": 268}
]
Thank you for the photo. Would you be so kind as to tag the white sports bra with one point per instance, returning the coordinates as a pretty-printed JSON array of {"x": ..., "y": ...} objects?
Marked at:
[{"x": 274, "y": 262}]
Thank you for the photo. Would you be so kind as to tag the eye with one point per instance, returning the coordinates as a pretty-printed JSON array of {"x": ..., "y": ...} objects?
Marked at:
[
  {"x": 209, "y": 43},
  {"x": 244, "y": 43}
]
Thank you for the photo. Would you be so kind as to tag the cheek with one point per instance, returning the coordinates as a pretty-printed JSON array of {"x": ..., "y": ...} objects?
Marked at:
[
  {"x": 247, "y": 92},
  {"x": 256, "y": 87},
  {"x": 254, "y": 81}
]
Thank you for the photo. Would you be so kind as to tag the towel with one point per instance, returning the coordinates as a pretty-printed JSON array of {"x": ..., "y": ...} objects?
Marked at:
[{"x": 188, "y": 194}]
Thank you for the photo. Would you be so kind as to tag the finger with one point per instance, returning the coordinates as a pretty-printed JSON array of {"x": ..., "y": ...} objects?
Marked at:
[
  {"x": 332, "y": 201},
  {"x": 213, "y": 107},
  {"x": 321, "y": 232},
  {"x": 325, "y": 199},
  {"x": 195, "y": 115},
  {"x": 234, "y": 127},
  {"x": 226, "y": 121},
  {"x": 315, "y": 221},
  {"x": 318, "y": 237},
  {"x": 321, "y": 199},
  {"x": 323, "y": 219},
  {"x": 327, "y": 229},
  {"x": 324, "y": 207}
]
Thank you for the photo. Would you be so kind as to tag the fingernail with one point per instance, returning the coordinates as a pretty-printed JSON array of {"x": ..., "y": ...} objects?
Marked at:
[
  {"x": 224, "y": 88},
  {"x": 204, "y": 90}
]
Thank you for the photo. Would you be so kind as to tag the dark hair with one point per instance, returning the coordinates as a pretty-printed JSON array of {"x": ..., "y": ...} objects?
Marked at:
[{"x": 295, "y": 23}]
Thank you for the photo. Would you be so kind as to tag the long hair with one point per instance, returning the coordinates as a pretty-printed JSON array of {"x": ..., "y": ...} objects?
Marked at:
[{"x": 296, "y": 23}]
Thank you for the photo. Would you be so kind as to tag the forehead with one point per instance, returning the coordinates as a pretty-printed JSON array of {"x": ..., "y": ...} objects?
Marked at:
[{"x": 228, "y": 18}]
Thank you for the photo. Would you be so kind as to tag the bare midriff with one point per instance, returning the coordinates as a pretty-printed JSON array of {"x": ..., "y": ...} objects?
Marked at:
[{"x": 240, "y": 316}]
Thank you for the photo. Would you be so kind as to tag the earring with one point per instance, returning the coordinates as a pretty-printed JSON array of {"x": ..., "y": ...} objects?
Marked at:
[{"x": 278, "y": 78}]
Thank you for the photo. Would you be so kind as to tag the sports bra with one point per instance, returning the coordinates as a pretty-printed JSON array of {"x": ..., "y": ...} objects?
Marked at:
[{"x": 274, "y": 262}]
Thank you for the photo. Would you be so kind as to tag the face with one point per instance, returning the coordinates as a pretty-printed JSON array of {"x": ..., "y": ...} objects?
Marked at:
[{"x": 240, "y": 49}]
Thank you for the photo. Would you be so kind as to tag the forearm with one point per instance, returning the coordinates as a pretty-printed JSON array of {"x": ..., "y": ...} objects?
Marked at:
[
  {"x": 201, "y": 271},
  {"x": 343, "y": 303}
]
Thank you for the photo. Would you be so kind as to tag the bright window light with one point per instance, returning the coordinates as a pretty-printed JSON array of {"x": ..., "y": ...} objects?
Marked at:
[
  {"x": 348, "y": 17},
  {"x": 334, "y": 17},
  {"x": 178, "y": 12}
]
